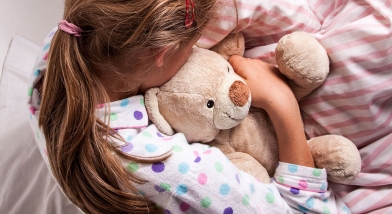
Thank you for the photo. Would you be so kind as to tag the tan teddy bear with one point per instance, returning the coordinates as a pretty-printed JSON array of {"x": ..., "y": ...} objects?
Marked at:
[{"x": 209, "y": 103}]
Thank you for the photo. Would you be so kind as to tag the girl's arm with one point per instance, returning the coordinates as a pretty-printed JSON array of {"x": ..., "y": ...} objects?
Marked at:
[
  {"x": 271, "y": 92},
  {"x": 197, "y": 178}
]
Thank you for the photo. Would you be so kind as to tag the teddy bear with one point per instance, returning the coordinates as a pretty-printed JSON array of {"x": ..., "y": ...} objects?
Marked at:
[{"x": 209, "y": 103}]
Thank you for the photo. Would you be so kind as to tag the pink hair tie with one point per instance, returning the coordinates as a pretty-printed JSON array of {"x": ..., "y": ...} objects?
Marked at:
[
  {"x": 70, "y": 28},
  {"x": 189, "y": 13}
]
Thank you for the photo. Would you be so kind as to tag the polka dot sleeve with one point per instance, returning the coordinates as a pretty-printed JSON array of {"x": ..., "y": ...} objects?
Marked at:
[
  {"x": 306, "y": 189},
  {"x": 197, "y": 178}
]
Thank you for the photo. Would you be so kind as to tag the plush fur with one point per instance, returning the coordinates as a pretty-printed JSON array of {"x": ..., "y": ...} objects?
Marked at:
[{"x": 209, "y": 103}]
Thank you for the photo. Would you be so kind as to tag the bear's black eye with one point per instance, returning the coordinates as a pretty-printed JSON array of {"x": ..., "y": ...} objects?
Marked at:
[
  {"x": 228, "y": 69},
  {"x": 210, "y": 103}
]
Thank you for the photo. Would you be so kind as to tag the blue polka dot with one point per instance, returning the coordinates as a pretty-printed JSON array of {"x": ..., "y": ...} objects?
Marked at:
[
  {"x": 183, "y": 168},
  {"x": 252, "y": 188},
  {"x": 37, "y": 72},
  {"x": 141, "y": 192},
  {"x": 182, "y": 189},
  {"x": 151, "y": 148},
  {"x": 323, "y": 186},
  {"x": 124, "y": 102},
  {"x": 345, "y": 208},
  {"x": 303, "y": 209},
  {"x": 224, "y": 189},
  {"x": 271, "y": 191},
  {"x": 129, "y": 138},
  {"x": 46, "y": 47},
  {"x": 310, "y": 203},
  {"x": 293, "y": 168}
]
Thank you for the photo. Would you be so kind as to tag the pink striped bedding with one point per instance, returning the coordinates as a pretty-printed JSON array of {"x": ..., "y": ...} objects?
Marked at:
[{"x": 356, "y": 99}]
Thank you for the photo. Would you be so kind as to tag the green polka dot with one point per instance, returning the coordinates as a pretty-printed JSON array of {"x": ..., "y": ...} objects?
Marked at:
[
  {"x": 325, "y": 210},
  {"x": 30, "y": 92},
  {"x": 245, "y": 200},
  {"x": 281, "y": 179},
  {"x": 165, "y": 186},
  {"x": 206, "y": 202},
  {"x": 113, "y": 116},
  {"x": 142, "y": 101},
  {"x": 177, "y": 148},
  {"x": 37, "y": 134},
  {"x": 316, "y": 172},
  {"x": 147, "y": 134},
  {"x": 133, "y": 166},
  {"x": 270, "y": 198},
  {"x": 218, "y": 167}
]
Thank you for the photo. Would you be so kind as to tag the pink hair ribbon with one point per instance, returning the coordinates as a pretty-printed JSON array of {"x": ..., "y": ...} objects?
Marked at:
[
  {"x": 189, "y": 13},
  {"x": 70, "y": 28}
]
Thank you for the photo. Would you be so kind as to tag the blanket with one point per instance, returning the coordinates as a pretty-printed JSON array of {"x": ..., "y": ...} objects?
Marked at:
[{"x": 356, "y": 99}]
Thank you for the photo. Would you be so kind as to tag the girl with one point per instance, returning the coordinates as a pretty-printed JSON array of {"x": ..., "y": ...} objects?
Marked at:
[{"x": 87, "y": 98}]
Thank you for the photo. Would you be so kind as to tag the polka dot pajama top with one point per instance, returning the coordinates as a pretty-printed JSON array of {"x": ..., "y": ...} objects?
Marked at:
[{"x": 198, "y": 178}]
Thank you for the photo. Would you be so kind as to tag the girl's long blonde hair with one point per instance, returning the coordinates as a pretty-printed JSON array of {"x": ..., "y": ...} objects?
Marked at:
[{"x": 78, "y": 143}]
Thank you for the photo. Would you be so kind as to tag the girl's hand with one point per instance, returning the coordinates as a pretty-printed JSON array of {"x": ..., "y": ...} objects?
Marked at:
[
  {"x": 271, "y": 92},
  {"x": 266, "y": 83}
]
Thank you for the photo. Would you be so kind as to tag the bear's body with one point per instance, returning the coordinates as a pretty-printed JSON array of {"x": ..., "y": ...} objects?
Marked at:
[{"x": 208, "y": 102}]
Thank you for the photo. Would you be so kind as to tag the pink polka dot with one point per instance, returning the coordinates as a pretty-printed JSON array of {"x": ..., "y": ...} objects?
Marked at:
[
  {"x": 46, "y": 152},
  {"x": 32, "y": 110},
  {"x": 303, "y": 184},
  {"x": 202, "y": 179},
  {"x": 45, "y": 56},
  {"x": 99, "y": 106},
  {"x": 207, "y": 152},
  {"x": 184, "y": 206},
  {"x": 196, "y": 153}
]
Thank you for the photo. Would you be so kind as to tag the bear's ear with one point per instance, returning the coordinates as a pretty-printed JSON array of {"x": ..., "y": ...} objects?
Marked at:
[
  {"x": 152, "y": 106},
  {"x": 232, "y": 44}
]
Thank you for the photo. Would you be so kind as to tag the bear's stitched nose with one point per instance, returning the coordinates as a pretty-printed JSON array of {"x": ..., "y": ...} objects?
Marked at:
[{"x": 239, "y": 93}]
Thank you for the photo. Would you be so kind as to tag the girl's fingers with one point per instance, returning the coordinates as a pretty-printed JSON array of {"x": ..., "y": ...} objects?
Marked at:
[{"x": 238, "y": 63}]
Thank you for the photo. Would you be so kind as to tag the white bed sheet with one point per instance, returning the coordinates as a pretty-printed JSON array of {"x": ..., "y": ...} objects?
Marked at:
[{"x": 26, "y": 185}]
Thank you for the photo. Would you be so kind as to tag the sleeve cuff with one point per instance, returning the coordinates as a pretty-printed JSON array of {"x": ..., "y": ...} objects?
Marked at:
[{"x": 301, "y": 177}]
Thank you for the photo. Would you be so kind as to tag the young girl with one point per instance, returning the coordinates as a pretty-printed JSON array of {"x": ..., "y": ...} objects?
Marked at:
[{"x": 87, "y": 98}]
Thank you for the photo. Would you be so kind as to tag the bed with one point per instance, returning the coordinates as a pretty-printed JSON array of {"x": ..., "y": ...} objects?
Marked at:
[
  {"x": 26, "y": 185},
  {"x": 355, "y": 101}
]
